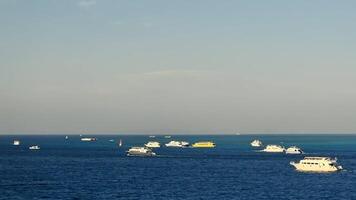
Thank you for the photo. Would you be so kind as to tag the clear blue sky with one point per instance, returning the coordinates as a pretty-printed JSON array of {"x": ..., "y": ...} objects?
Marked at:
[{"x": 177, "y": 66}]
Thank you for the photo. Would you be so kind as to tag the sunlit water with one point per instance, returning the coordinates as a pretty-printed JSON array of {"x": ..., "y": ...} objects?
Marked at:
[{"x": 71, "y": 169}]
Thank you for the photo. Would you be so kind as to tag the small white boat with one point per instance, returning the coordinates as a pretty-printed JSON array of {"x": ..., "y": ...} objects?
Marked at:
[
  {"x": 87, "y": 139},
  {"x": 317, "y": 164},
  {"x": 177, "y": 144},
  {"x": 111, "y": 140},
  {"x": 36, "y": 147},
  {"x": 256, "y": 143},
  {"x": 151, "y": 136},
  {"x": 294, "y": 150},
  {"x": 140, "y": 151},
  {"x": 274, "y": 149},
  {"x": 152, "y": 144},
  {"x": 167, "y": 136},
  {"x": 16, "y": 142},
  {"x": 66, "y": 137}
]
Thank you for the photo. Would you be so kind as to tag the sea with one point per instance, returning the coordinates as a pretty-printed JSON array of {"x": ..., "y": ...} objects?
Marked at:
[{"x": 72, "y": 169}]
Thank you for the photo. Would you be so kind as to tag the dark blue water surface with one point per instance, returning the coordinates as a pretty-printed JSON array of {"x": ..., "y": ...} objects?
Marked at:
[{"x": 71, "y": 169}]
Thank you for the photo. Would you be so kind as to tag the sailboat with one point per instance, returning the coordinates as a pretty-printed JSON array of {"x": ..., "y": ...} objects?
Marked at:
[{"x": 120, "y": 143}]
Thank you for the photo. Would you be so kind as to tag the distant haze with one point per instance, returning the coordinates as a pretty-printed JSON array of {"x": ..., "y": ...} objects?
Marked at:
[{"x": 193, "y": 67}]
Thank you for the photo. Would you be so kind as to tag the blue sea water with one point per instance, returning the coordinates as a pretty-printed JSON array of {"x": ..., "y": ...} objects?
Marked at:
[{"x": 71, "y": 169}]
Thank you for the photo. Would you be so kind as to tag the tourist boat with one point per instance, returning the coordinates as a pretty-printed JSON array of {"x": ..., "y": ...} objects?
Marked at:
[
  {"x": 294, "y": 150},
  {"x": 274, "y": 149},
  {"x": 140, "y": 151},
  {"x": 16, "y": 142},
  {"x": 87, "y": 139},
  {"x": 317, "y": 164},
  {"x": 256, "y": 143},
  {"x": 152, "y": 144},
  {"x": 177, "y": 144},
  {"x": 204, "y": 144},
  {"x": 36, "y": 147}
]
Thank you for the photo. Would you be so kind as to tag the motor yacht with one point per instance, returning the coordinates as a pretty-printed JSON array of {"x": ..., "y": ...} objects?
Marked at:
[
  {"x": 294, "y": 150},
  {"x": 317, "y": 164},
  {"x": 36, "y": 147},
  {"x": 177, "y": 144},
  {"x": 140, "y": 151},
  {"x": 16, "y": 142},
  {"x": 204, "y": 144},
  {"x": 274, "y": 149},
  {"x": 152, "y": 144},
  {"x": 256, "y": 143},
  {"x": 87, "y": 139}
]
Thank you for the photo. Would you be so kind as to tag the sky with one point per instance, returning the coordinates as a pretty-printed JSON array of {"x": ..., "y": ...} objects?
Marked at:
[{"x": 177, "y": 67}]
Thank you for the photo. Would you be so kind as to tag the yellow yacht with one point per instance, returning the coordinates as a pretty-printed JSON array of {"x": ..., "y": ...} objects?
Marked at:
[{"x": 205, "y": 144}]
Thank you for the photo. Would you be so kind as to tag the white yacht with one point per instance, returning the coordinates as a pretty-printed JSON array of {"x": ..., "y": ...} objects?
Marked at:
[
  {"x": 256, "y": 143},
  {"x": 317, "y": 164},
  {"x": 151, "y": 136},
  {"x": 167, "y": 136},
  {"x": 152, "y": 144},
  {"x": 140, "y": 151},
  {"x": 294, "y": 150},
  {"x": 274, "y": 149},
  {"x": 36, "y": 147},
  {"x": 16, "y": 142},
  {"x": 88, "y": 139},
  {"x": 177, "y": 144}
]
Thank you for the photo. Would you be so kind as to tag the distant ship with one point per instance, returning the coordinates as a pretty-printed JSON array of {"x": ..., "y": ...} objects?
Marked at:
[
  {"x": 152, "y": 144},
  {"x": 294, "y": 150},
  {"x": 87, "y": 139},
  {"x": 140, "y": 151},
  {"x": 204, "y": 144},
  {"x": 152, "y": 136},
  {"x": 177, "y": 144},
  {"x": 274, "y": 149},
  {"x": 16, "y": 142},
  {"x": 167, "y": 136},
  {"x": 256, "y": 143},
  {"x": 317, "y": 164},
  {"x": 36, "y": 147},
  {"x": 66, "y": 137}
]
